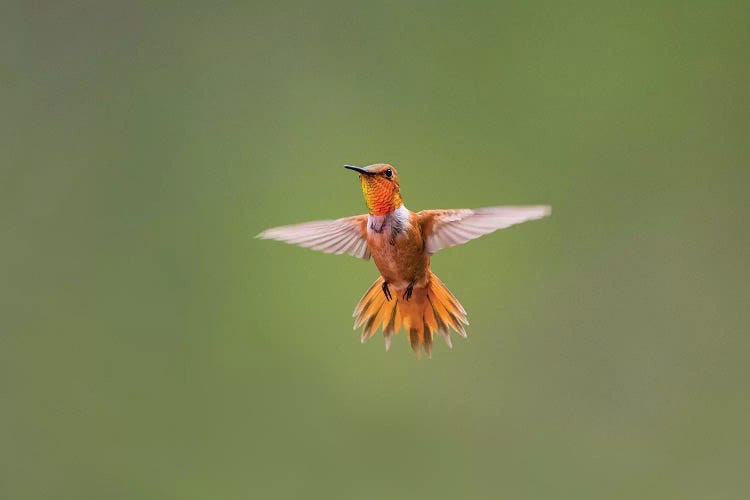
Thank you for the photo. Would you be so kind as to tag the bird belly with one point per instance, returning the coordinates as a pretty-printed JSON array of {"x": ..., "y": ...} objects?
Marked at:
[{"x": 400, "y": 258}]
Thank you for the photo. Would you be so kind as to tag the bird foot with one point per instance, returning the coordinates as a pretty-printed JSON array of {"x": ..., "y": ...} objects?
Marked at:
[
  {"x": 407, "y": 293},
  {"x": 386, "y": 291}
]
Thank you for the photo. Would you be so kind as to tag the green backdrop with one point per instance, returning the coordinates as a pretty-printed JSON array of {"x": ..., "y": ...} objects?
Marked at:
[{"x": 150, "y": 347}]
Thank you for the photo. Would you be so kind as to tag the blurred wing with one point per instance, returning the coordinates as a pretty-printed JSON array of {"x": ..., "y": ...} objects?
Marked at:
[
  {"x": 347, "y": 235},
  {"x": 447, "y": 228}
]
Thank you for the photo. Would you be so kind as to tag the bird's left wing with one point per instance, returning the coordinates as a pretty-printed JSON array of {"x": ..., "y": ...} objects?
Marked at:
[
  {"x": 347, "y": 235},
  {"x": 446, "y": 228}
]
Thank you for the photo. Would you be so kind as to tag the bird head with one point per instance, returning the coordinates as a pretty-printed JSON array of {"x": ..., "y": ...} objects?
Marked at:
[{"x": 379, "y": 187}]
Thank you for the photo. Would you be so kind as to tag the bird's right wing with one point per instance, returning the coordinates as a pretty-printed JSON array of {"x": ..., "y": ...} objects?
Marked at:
[
  {"x": 446, "y": 228},
  {"x": 347, "y": 235}
]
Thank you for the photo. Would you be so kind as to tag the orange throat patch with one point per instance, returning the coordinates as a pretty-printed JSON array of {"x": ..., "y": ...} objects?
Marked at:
[{"x": 381, "y": 195}]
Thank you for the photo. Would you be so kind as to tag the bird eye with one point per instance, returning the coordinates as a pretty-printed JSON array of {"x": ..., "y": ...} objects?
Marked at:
[{"x": 389, "y": 173}]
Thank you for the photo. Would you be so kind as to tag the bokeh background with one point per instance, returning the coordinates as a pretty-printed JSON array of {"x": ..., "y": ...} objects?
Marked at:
[{"x": 150, "y": 347}]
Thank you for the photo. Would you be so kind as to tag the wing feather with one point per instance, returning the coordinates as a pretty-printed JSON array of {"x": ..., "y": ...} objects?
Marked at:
[
  {"x": 347, "y": 235},
  {"x": 447, "y": 228}
]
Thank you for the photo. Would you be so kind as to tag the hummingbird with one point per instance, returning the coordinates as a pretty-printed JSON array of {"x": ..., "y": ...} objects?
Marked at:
[{"x": 407, "y": 294}]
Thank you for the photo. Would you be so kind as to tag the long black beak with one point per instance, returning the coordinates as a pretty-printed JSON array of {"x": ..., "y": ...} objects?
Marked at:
[{"x": 358, "y": 169}]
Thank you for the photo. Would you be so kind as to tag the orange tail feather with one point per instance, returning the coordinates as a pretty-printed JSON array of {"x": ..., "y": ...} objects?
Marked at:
[{"x": 431, "y": 309}]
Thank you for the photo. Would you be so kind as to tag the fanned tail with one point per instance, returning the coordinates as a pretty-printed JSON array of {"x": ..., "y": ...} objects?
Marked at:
[{"x": 431, "y": 309}]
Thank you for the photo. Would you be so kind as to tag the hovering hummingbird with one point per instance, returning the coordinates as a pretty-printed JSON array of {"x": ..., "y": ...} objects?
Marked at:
[{"x": 407, "y": 294}]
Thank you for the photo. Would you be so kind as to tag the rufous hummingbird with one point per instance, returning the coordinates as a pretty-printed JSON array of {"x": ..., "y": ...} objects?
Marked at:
[{"x": 407, "y": 294}]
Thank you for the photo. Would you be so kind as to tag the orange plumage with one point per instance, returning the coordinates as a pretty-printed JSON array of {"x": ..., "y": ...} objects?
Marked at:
[{"x": 407, "y": 294}]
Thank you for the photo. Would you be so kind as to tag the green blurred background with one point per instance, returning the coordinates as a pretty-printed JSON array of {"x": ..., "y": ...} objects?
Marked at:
[{"x": 150, "y": 347}]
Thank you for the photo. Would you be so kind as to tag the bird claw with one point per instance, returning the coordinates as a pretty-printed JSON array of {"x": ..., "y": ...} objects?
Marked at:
[
  {"x": 407, "y": 293},
  {"x": 386, "y": 291}
]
